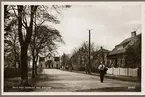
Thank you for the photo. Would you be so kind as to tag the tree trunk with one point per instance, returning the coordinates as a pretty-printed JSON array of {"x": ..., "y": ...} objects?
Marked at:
[
  {"x": 33, "y": 66},
  {"x": 33, "y": 50},
  {"x": 36, "y": 65},
  {"x": 24, "y": 65},
  {"x": 24, "y": 43},
  {"x": 24, "y": 73},
  {"x": 15, "y": 54},
  {"x": 19, "y": 63}
]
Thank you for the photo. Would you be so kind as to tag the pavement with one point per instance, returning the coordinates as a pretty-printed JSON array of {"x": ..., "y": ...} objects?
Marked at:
[{"x": 55, "y": 80}]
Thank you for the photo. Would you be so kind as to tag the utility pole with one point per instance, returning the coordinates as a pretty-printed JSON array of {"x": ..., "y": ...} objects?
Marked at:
[{"x": 89, "y": 71}]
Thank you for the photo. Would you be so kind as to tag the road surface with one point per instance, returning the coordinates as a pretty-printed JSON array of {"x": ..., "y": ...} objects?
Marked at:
[{"x": 55, "y": 80}]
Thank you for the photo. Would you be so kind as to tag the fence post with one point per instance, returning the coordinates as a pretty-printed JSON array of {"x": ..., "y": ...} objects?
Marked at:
[
  {"x": 113, "y": 70},
  {"x": 127, "y": 72},
  {"x": 119, "y": 70}
]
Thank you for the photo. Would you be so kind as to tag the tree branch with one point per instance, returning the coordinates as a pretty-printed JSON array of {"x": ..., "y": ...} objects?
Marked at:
[
  {"x": 14, "y": 12},
  {"x": 25, "y": 22},
  {"x": 56, "y": 9},
  {"x": 30, "y": 28}
]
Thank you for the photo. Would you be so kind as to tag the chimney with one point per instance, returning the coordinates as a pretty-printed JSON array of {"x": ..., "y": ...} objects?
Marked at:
[{"x": 133, "y": 33}]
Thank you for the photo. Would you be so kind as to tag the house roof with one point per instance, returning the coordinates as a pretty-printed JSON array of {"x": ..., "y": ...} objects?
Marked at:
[
  {"x": 104, "y": 50},
  {"x": 115, "y": 51},
  {"x": 124, "y": 45},
  {"x": 129, "y": 39},
  {"x": 99, "y": 51}
]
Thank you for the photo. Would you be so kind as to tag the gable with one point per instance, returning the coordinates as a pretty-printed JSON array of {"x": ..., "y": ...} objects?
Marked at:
[{"x": 121, "y": 48}]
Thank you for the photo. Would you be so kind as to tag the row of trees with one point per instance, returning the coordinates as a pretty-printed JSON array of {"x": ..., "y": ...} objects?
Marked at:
[
  {"x": 27, "y": 35},
  {"x": 78, "y": 60}
]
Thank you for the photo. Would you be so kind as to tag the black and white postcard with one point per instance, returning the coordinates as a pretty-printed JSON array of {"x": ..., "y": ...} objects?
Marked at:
[{"x": 72, "y": 48}]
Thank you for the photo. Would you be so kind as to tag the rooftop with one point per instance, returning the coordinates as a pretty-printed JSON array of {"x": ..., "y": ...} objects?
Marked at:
[{"x": 121, "y": 48}]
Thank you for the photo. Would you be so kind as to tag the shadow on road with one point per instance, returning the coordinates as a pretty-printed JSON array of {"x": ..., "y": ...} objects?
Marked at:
[{"x": 112, "y": 89}]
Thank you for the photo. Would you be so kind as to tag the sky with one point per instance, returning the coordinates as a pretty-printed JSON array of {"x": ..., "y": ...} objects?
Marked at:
[{"x": 109, "y": 23}]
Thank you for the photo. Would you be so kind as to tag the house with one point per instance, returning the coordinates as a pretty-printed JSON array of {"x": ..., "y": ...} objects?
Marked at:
[
  {"x": 56, "y": 63},
  {"x": 102, "y": 55},
  {"x": 98, "y": 57},
  {"x": 50, "y": 61},
  {"x": 80, "y": 59},
  {"x": 127, "y": 54}
]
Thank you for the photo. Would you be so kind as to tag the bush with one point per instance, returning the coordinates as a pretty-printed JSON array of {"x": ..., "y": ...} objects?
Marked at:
[
  {"x": 95, "y": 69},
  {"x": 82, "y": 69},
  {"x": 11, "y": 72}
]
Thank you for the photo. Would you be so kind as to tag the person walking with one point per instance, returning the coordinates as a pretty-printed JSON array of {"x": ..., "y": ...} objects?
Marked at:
[{"x": 102, "y": 71}]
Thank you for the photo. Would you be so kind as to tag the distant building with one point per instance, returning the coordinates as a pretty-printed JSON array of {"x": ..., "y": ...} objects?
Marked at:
[
  {"x": 49, "y": 61},
  {"x": 102, "y": 55},
  {"x": 123, "y": 55},
  {"x": 98, "y": 57},
  {"x": 65, "y": 61},
  {"x": 80, "y": 59},
  {"x": 56, "y": 63}
]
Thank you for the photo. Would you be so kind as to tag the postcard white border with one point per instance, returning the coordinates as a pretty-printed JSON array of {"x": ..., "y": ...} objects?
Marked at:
[{"x": 72, "y": 93}]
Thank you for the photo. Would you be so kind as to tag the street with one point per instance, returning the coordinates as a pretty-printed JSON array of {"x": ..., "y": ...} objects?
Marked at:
[{"x": 55, "y": 80}]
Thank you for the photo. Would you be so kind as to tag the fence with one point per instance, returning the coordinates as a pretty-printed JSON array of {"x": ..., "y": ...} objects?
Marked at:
[{"x": 123, "y": 71}]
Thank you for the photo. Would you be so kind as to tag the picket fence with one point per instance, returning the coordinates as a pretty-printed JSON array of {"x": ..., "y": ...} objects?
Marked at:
[{"x": 123, "y": 71}]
